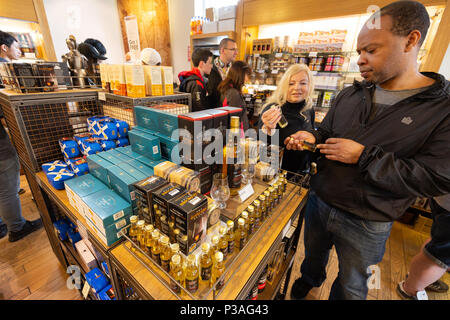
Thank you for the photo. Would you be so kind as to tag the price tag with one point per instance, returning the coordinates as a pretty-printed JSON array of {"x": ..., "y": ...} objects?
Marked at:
[
  {"x": 275, "y": 71},
  {"x": 246, "y": 192},
  {"x": 102, "y": 96},
  {"x": 313, "y": 54},
  {"x": 278, "y": 55},
  {"x": 86, "y": 289}
]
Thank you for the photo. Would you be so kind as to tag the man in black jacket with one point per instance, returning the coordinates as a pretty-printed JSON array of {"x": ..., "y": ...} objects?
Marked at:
[
  {"x": 228, "y": 52},
  {"x": 384, "y": 142},
  {"x": 11, "y": 218},
  {"x": 194, "y": 81}
]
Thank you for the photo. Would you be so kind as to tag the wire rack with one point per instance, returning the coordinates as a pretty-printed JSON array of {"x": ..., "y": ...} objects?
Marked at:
[
  {"x": 121, "y": 107},
  {"x": 37, "y": 121}
]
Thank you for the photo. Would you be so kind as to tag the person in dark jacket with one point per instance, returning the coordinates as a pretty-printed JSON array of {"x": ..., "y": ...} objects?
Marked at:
[
  {"x": 221, "y": 65},
  {"x": 384, "y": 142},
  {"x": 194, "y": 81},
  {"x": 10, "y": 207},
  {"x": 230, "y": 89},
  {"x": 292, "y": 99}
]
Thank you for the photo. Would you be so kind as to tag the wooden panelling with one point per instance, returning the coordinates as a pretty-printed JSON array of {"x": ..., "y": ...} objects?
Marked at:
[
  {"x": 153, "y": 25},
  {"x": 49, "y": 49},
  {"x": 22, "y": 10},
  {"x": 438, "y": 48},
  {"x": 259, "y": 12}
]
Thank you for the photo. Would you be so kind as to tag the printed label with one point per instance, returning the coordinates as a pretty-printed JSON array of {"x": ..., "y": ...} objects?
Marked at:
[
  {"x": 192, "y": 285},
  {"x": 121, "y": 224},
  {"x": 155, "y": 149},
  {"x": 175, "y": 287},
  {"x": 194, "y": 201},
  {"x": 173, "y": 192},
  {"x": 118, "y": 215},
  {"x": 230, "y": 246},
  {"x": 206, "y": 273}
]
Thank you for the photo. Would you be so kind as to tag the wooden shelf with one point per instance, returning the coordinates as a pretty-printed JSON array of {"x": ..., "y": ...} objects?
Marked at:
[{"x": 228, "y": 34}]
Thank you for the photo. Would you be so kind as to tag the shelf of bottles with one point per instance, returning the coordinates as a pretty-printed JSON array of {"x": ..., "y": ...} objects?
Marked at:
[{"x": 204, "y": 273}]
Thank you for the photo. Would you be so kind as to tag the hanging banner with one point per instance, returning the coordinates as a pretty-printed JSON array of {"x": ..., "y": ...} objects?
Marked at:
[{"x": 131, "y": 26}]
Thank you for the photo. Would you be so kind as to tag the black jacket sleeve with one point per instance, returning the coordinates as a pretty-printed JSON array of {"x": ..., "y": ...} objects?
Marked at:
[
  {"x": 214, "y": 80},
  {"x": 427, "y": 174},
  {"x": 235, "y": 99},
  {"x": 199, "y": 99}
]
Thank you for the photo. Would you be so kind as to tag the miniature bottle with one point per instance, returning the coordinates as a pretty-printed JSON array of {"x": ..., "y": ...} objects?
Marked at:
[
  {"x": 214, "y": 245},
  {"x": 244, "y": 215},
  {"x": 241, "y": 234},
  {"x": 166, "y": 253},
  {"x": 140, "y": 233},
  {"x": 268, "y": 203},
  {"x": 258, "y": 212},
  {"x": 223, "y": 242},
  {"x": 156, "y": 249},
  {"x": 217, "y": 270},
  {"x": 148, "y": 239},
  {"x": 132, "y": 233},
  {"x": 176, "y": 271},
  {"x": 262, "y": 201},
  {"x": 192, "y": 274},
  {"x": 205, "y": 263},
  {"x": 230, "y": 236}
]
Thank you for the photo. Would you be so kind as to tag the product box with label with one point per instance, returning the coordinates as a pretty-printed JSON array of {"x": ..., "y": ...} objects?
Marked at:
[
  {"x": 80, "y": 187},
  {"x": 220, "y": 120},
  {"x": 106, "y": 207},
  {"x": 107, "y": 239},
  {"x": 210, "y": 27},
  {"x": 163, "y": 195},
  {"x": 107, "y": 293},
  {"x": 96, "y": 280},
  {"x": 86, "y": 255},
  {"x": 98, "y": 167},
  {"x": 106, "y": 84},
  {"x": 146, "y": 170},
  {"x": 145, "y": 144},
  {"x": 122, "y": 183},
  {"x": 134, "y": 76},
  {"x": 189, "y": 212},
  {"x": 228, "y": 12},
  {"x": 167, "y": 79},
  {"x": 196, "y": 124},
  {"x": 119, "y": 155},
  {"x": 144, "y": 193},
  {"x": 153, "y": 81},
  {"x": 132, "y": 171},
  {"x": 149, "y": 162},
  {"x": 204, "y": 174},
  {"x": 226, "y": 25},
  {"x": 120, "y": 83},
  {"x": 156, "y": 120},
  {"x": 107, "y": 155},
  {"x": 232, "y": 112}
]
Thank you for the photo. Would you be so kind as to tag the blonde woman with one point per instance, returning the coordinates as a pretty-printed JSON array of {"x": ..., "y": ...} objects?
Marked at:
[{"x": 292, "y": 98}]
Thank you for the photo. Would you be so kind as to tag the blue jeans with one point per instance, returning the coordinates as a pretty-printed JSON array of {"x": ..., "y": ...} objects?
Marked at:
[
  {"x": 359, "y": 244},
  {"x": 10, "y": 207}
]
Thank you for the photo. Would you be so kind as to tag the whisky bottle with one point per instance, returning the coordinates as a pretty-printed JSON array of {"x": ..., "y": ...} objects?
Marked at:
[
  {"x": 241, "y": 234},
  {"x": 148, "y": 239},
  {"x": 223, "y": 242},
  {"x": 205, "y": 263},
  {"x": 214, "y": 245},
  {"x": 218, "y": 270},
  {"x": 231, "y": 168},
  {"x": 156, "y": 249},
  {"x": 271, "y": 198},
  {"x": 244, "y": 215},
  {"x": 262, "y": 201},
  {"x": 282, "y": 122},
  {"x": 166, "y": 253},
  {"x": 230, "y": 236},
  {"x": 192, "y": 274},
  {"x": 268, "y": 203},
  {"x": 177, "y": 273},
  {"x": 252, "y": 217},
  {"x": 132, "y": 233},
  {"x": 140, "y": 234},
  {"x": 275, "y": 194}
]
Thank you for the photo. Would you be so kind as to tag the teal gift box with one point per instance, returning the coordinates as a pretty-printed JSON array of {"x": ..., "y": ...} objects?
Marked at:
[
  {"x": 122, "y": 183},
  {"x": 105, "y": 207},
  {"x": 119, "y": 155},
  {"x": 132, "y": 171},
  {"x": 145, "y": 144},
  {"x": 98, "y": 167},
  {"x": 156, "y": 120},
  {"x": 146, "y": 170},
  {"x": 167, "y": 144},
  {"x": 107, "y": 155},
  {"x": 80, "y": 187}
]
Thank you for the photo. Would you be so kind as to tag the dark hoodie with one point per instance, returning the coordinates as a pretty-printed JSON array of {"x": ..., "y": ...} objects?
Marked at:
[
  {"x": 406, "y": 154},
  {"x": 192, "y": 82}
]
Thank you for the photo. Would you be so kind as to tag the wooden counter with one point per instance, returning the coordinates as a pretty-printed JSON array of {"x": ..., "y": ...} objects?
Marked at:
[{"x": 246, "y": 265}]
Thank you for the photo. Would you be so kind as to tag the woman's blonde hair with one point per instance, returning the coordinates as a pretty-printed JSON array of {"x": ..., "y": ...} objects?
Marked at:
[{"x": 279, "y": 96}]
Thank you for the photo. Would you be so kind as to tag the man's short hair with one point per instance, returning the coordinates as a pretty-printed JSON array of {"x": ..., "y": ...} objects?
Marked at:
[
  {"x": 224, "y": 42},
  {"x": 406, "y": 17},
  {"x": 200, "y": 55},
  {"x": 6, "y": 38}
]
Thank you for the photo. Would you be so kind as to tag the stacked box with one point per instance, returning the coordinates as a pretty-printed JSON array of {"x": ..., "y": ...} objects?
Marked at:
[
  {"x": 119, "y": 155},
  {"x": 167, "y": 144},
  {"x": 167, "y": 80},
  {"x": 132, "y": 171},
  {"x": 155, "y": 120},
  {"x": 110, "y": 157},
  {"x": 98, "y": 167},
  {"x": 122, "y": 183},
  {"x": 107, "y": 214},
  {"x": 144, "y": 193},
  {"x": 146, "y": 170},
  {"x": 190, "y": 216},
  {"x": 153, "y": 81},
  {"x": 80, "y": 187},
  {"x": 145, "y": 144}
]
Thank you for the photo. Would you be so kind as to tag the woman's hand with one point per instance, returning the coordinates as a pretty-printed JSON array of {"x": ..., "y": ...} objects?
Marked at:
[
  {"x": 294, "y": 141},
  {"x": 270, "y": 118}
]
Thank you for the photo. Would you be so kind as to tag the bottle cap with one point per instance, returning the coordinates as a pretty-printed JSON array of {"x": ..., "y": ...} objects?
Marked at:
[
  {"x": 164, "y": 240},
  {"x": 234, "y": 122},
  {"x": 241, "y": 221},
  {"x": 155, "y": 234},
  {"x": 192, "y": 258},
  {"x": 222, "y": 230},
  {"x": 176, "y": 231},
  {"x": 262, "y": 197},
  {"x": 175, "y": 247},
  {"x": 176, "y": 259},
  {"x": 215, "y": 239},
  {"x": 256, "y": 203},
  {"x": 141, "y": 223},
  {"x": 244, "y": 214},
  {"x": 205, "y": 247},
  {"x": 218, "y": 256},
  {"x": 133, "y": 219},
  {"x": 250, "y": 208},
  {"x": 149, "y": 228},
  {"x": 230, "y": 224}
]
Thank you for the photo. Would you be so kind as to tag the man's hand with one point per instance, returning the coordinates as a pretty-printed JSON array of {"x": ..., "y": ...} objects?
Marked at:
[
  {"x": 294, "y": 141},
  {"x": 342, "y": 150}
]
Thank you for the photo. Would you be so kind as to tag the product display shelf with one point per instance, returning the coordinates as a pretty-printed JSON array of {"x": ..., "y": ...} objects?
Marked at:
[
  {"x": 240, "y": 273},
  {"x": 60, "y": 199}
]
